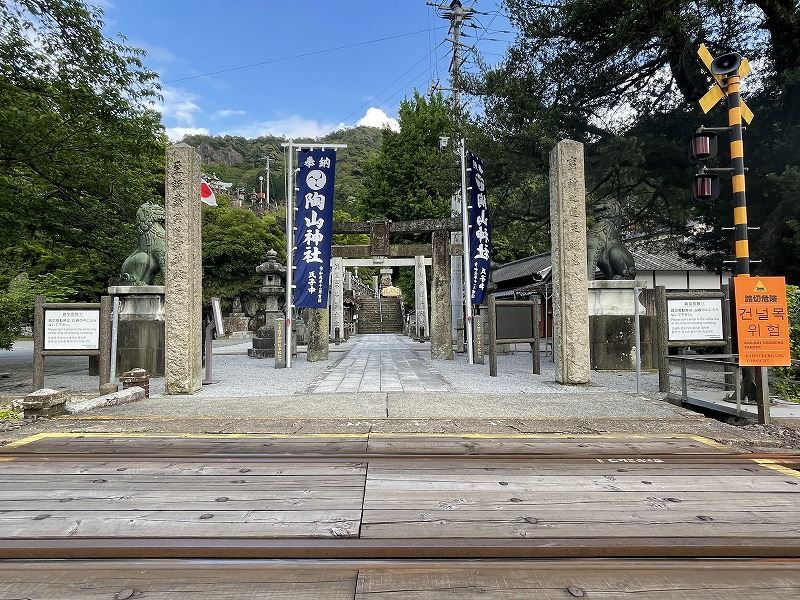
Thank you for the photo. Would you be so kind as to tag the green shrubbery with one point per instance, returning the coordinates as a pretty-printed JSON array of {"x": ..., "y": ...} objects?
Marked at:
[
  {"x": 17, "y": 302},
  {"x": 787, "y": 385}
]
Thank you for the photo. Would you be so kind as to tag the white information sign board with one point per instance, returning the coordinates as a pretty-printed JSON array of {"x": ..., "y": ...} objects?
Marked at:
[
  {"x": 695, "y": 319},
  {"x": 71, "y": 329}
]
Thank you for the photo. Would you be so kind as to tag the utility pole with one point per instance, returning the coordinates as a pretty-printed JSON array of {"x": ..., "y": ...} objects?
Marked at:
[{"x": 457, "y": 15}]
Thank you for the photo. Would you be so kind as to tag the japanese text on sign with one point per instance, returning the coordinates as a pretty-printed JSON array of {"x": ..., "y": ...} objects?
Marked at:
[
  {"x": 762, "y": 322},
  {"x": 314, "y": 233},
  {"x": 71, "y": 329},
  {"x": 695, "y": 319},
  {"x": 480, "y": 245}
]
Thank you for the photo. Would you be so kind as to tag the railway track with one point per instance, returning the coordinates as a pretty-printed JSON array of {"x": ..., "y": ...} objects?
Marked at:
[{"x": 390, "y": 516}]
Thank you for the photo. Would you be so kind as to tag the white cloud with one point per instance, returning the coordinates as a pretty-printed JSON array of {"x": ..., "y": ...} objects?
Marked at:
[
  {"x": 178, "y": 105},
  {"x": 375, "y": 117},
  {"x": 293, "y": 126},
  {"x": 176, "y": 134},
  {"x": 155, "y": 54},
  {"x": 223, "y": 114}
]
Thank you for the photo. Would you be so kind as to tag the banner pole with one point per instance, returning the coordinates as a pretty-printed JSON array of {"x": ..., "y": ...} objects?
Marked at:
[
  {"x": 465, "y": 240},
  {"x": 289, "y": 248}
]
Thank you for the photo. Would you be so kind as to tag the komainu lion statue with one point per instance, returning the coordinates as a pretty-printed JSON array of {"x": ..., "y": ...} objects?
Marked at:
[
  {"x": 603, "y": 248},
  {"x": 147, "y": 261}
]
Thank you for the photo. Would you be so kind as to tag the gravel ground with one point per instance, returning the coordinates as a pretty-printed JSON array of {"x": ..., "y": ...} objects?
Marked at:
[{"x": 262, "y": 379}]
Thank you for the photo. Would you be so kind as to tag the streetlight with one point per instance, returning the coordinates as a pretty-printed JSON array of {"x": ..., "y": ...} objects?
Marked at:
[{"x": 261, "y": 192}]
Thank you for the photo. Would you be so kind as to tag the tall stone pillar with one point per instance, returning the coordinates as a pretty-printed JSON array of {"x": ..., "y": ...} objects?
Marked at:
[
  {"x": 570, "y": 284},
  {"x": 183, "y": 275},
  {"x": 421, "y": 298},
  {"x": 441, "y": 317},
  {"x": 337, "y": 298}
]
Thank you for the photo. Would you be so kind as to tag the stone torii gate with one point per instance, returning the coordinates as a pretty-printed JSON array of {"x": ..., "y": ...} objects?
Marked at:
[{"x": 381, "y": 252}]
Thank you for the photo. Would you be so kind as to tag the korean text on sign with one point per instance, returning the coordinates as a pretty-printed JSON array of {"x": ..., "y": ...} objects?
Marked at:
[{"x": 762, "y": 322}]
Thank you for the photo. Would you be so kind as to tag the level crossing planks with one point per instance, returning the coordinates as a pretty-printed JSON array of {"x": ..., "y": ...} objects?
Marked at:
[
  {"x": 410, "y": 580},
  {"x": 412, "y": 495}
]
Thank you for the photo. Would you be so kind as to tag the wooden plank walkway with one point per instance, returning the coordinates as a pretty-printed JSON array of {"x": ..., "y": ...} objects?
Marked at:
[{"x": 351, "y": 516}]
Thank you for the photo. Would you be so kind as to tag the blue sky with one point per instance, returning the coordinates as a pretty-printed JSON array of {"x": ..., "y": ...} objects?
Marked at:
[{"x": 291, "y": 68}]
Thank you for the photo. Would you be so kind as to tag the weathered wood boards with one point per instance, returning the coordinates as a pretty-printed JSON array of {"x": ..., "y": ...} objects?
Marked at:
[
  {"x": 577, "y": 490},
  {"x": 254, "y": 516},
  {"x": 346, "y": 580}
]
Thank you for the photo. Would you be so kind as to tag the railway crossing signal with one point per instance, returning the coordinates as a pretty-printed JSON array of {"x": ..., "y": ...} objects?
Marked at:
[{"x": 728, "y": 71}]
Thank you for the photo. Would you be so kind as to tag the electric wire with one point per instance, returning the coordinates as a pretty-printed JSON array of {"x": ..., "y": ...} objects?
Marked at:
[{"x": 296, "y": 56}]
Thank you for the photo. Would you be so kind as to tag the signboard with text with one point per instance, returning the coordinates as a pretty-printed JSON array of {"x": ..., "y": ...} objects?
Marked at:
[
  {"x": 695, "y": 319},
  {"x": 71, "y": 329},
  {"x": 480, "y": 244},
  {"x": 314, "y": 231},
  {"x": 762, "y": 321}
]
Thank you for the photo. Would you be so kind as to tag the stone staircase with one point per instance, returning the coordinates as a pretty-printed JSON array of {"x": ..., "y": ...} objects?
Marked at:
[{"x": 369, "y": 316}]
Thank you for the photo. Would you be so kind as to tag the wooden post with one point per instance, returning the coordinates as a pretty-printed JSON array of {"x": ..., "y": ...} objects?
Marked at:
[
  {"x": 663, "y": 336},
  {"x": 535, "y": 350},
  {"x": 38, "y": 343},
  {"x": 492, "y": 336}
]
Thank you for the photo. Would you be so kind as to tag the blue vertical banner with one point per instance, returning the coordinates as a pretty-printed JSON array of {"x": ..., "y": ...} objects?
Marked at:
[
  {"x": 314, "y": 227},
  {"x": 480, "y": 236}
]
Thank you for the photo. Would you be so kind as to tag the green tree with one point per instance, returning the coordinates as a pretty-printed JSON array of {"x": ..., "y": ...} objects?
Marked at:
[
  {"x": 411, "y": 178},
  {"x": 17, "y": 302},
  {"x": 79, "y": 149},
  {"x": 235, "y": 242},
  {"x": 624, "y": 80}
]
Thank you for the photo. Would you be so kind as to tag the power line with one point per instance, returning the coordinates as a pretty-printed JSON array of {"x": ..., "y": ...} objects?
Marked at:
[
  {"x": 401, "y": 76},
  {"x": 306, "y": 54}
]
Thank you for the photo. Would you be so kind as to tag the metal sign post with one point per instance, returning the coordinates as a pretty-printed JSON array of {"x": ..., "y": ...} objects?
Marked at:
[{"x": 216, "y": 324}]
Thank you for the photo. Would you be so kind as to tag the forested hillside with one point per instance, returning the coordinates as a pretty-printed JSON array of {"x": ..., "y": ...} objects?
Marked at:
[{"x": 241, "y": 161}]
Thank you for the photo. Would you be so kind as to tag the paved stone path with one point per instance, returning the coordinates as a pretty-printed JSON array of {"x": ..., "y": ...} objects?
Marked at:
[{"x": 381, "y": 363}]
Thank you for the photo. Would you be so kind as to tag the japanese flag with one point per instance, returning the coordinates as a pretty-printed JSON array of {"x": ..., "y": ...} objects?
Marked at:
[{"x": 207, "y": 194}]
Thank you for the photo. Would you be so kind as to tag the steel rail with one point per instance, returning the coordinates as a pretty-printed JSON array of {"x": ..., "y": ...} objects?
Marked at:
[
  {"x": 632, "y": 457},
  {"x": 398, "y": 548}
]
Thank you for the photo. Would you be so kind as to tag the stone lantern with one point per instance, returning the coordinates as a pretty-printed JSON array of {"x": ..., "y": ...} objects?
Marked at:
[{"x": 272, "y": 290}]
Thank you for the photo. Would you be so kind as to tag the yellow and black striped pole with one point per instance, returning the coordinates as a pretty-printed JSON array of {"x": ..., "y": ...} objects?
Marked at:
[
  {"x": 738, "y": 183},
  {"x": 728, "y": 71}
]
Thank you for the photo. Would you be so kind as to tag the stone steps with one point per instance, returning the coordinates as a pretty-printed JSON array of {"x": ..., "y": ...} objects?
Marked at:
[{"x": 369, "y": 316}]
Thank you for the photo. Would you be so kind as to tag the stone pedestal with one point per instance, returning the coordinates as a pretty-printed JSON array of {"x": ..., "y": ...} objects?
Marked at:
[
  {"x": 140, "y": 329},
  {"x": 263, "y": 342},
  {"x": 612, "y": 327},
  {"x": 237, "y": 325}
]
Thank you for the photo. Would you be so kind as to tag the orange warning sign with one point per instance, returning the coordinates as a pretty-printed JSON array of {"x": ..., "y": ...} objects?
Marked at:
[{"x": 762, "y": 321}]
